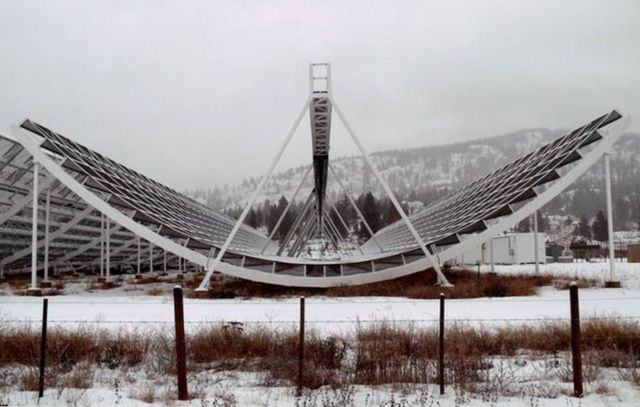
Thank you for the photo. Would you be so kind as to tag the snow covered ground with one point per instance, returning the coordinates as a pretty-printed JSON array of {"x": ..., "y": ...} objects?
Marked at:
[
  {"x": 338, "y": 315},
  {"x": 328, "y": 315},
  {"x": 121, "y": 308},
  {"x": 628, "y": 273},
  {"x": 245, "y": 389}
]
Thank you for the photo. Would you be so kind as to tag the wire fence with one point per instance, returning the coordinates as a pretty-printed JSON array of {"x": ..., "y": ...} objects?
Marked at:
[
  {"x": 293, "y": 302},
  {"x": 625, "y": 331}
]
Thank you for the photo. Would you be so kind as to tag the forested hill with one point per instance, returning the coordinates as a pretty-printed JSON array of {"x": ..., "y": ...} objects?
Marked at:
[{"x": 423, "y": 174}]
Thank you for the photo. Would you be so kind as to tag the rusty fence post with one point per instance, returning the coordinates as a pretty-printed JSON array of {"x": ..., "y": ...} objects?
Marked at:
[
  {"x": 301, "y": 350},
  {"x": 576, "y": 344},
  {"x": 441, "y": 346},
  {"x": 181, "y": 359},
  {"x": 43, "y": 346}
]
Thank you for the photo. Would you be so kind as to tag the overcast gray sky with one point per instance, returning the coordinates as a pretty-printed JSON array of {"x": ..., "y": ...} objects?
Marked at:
[{"x": 202, "y": 93}]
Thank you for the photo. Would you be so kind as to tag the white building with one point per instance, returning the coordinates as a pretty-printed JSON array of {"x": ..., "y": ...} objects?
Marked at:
[{"x": 512, "y": 248}]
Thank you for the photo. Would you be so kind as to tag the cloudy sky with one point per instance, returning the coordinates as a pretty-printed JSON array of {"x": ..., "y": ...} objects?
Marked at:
[{"x": 202, "y": 93}]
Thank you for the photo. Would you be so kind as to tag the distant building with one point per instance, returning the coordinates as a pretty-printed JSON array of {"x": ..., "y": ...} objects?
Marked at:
[
  {"x": 633, "y": 253},
  {"x": 512, "y": 248}
]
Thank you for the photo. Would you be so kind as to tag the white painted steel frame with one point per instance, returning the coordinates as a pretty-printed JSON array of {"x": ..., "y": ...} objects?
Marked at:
[
  {"x": 442, "y": 280},
  {"x": 612, "y": 253},
  {"x": 205, "y": 282},
  {"x": 613, "y": 130},
  {"x": 355, "y": 207},
  {"x": 286, "y": 209},
  {"x": 34, "y": 227}
]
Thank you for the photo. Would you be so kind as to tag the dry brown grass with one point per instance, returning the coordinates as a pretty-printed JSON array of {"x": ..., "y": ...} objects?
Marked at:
[
  {"x": 155, "y": 291},
  {"x": 66, "y": 348},
  {"x": 467, "y": 284},
  {"x": 374, "y": 354},
  {"x": 146, "y": 280}
]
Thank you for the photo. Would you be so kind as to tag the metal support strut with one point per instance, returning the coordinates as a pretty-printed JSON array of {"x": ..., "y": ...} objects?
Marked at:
[
  {"x": 607, "y": 170},
  {"x": 210, "y": 269},
  {"x": 34, "y": 228},
  {"x": 441, "y": 277}
]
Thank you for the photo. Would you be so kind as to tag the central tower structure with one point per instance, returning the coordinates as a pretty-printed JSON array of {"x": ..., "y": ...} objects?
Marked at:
[{"x": 320, "y": 119}]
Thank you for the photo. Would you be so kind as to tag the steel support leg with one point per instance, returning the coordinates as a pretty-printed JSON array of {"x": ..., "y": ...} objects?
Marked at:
[
  {"x": 46, "y": 236},
  {"x": 102, "y": 245},
  {"x": 607, "y": 170},
  {"x": 535, "y": 241},
  {"x": 296, "y": 224},
  {"x": 286, "y": 209},
  {"x": 34, "y": 228},
  {"x": 205, "y": 282},
  {"x": 108, "y": 250},
  {"x": 355, "y": 208},
  {"x": 441, "y": 277},
  {"x": 138, "y": 271}
]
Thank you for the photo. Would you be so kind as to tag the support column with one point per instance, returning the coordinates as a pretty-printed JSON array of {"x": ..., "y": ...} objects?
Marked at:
[
  {"x": 611, "y": 281},
  {"x": 535, "y": 241},
  {"x": 150, "y": 257},
  {"x": 34, "y": 228},
  {"x": 102, "y": 245},
  {"x": 46, "y": 237},
  {"x": 138, "y": 271},
  {"x": 108, "y": 251}
]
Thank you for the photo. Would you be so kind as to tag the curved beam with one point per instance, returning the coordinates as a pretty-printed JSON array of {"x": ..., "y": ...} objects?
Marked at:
[{"x": 614, "y": 131}]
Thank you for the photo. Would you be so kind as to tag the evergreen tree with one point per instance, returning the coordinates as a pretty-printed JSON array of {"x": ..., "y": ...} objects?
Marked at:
[
  {"x": 543, "y": 222},
  {"x": 265, "y": 214},
  {"x": 252, "y": 218},
  {"x": 583, "y": 228},
  {"x": 370, "y": 212},
  {"x": 568, "y": 221},
  {"x": 343, "y": 206},
  {"x": 599, "y": 228},
  {"x": 287, "y": 221},
  {"x": 524, "y": 226},
  {"x": 389, "y": 213}
]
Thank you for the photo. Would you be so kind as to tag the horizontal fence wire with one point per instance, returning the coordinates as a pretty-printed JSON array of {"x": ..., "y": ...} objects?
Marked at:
[
  {"x": 333, "y": 300},
  {"x": 326, "y": 321}
]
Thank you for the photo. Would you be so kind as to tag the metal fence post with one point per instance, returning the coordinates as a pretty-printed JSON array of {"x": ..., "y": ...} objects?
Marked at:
[
  {"x": 301, "y": 349},
  {"x": 576, "y": 350},
  {"x": 181, "y": 360},
  {"x": 43, "y": 346},
  {"x": 441, "y": 346}
]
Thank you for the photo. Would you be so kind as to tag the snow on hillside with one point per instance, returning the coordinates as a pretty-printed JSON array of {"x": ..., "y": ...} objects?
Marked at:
[{"x": 427, "y": 172}]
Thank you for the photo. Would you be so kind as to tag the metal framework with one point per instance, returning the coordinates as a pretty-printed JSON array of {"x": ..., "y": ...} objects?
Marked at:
[{"x": 63, "y": 205}]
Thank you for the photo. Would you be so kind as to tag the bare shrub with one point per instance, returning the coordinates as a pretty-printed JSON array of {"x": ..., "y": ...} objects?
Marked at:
[
  {"x": 385, "y": 353},
  {"x": 563, "y": 283},
  {"x": 80, "y": 377},
  {"x": 155, "y": 291},
  {"x": 146, "y": 280},
  {"x": 483, "y": 360},
  {"x": 29, "y": 380},
  {"x": 162, "y": 359}
]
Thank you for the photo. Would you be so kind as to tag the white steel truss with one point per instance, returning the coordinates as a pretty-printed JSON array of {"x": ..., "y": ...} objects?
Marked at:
[{"x": 81, "y": 183}]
